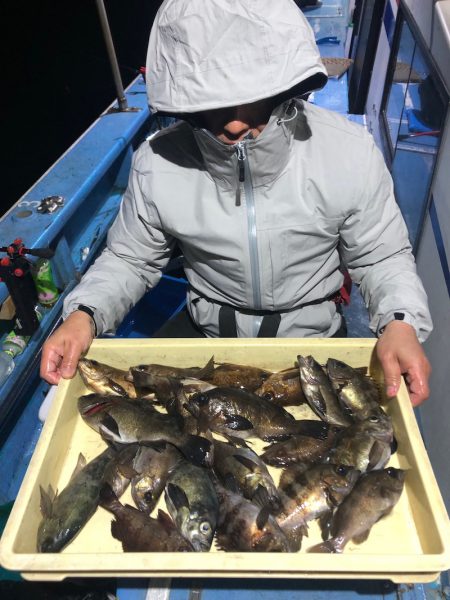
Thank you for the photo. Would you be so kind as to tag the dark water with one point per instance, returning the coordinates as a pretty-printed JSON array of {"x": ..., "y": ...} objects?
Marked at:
[{"x": 56, "y": 78}]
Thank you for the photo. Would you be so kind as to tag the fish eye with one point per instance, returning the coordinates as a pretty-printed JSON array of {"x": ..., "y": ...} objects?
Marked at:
[
  {"x": 47, "y": 543},
  {"x": 205, "y": 527},
  {"x": 342, "y": 469},
  {"x": 200, "y": 399}
]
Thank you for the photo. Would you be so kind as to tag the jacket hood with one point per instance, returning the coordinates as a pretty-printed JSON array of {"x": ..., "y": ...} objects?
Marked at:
[{"x": 204, "y": 55}]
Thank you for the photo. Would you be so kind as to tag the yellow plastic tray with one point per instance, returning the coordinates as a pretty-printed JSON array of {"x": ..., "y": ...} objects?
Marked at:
[{"x": 409, "y": 545}]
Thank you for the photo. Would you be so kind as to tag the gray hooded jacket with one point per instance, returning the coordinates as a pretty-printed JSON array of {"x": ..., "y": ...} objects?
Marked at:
[{"x": 268, "y": 223}]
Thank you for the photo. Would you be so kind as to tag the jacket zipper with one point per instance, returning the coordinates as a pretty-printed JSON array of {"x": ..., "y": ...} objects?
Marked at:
[{"x": 245, "y": 179}]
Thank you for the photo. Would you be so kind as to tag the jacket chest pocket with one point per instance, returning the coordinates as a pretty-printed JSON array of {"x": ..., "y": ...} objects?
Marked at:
[{"x": 302, "y": 251}]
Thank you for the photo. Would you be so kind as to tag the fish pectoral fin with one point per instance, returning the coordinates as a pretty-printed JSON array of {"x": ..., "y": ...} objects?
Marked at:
[
  {"x": 235, "y": 440},
  {"x": 197, "y": 449},
  {"x": 177, "y": 496},
  {"x": 325, "y": 524},
  {"x": 246, "y": 462},
  {"x": 362, "y": 537},
  {"x": 165, "y": 520},
  {"x": 238, "y": 423},
  {"x": 261, "y": 497},
  {"x": 127, "y": 471},
  {"x": 46, "y": 501},
  {"x": 110, "y": 425},
  {"x": 116, "y": 387},
  {"x": 231, "y": 483},
  {"x": 116, "y": 530},
  {"x": 378, "y": 455},
  {"x": 317, "y": 403},
  {"x": 107, "y": 496},
  {"x": 81, "y": 463},
  {"x": 263, "y": 517}
]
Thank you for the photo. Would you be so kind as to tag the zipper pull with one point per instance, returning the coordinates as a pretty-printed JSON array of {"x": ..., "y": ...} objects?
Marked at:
[
  {"x": 241, "y": 165},
  {"x": 241, "y": 171}
]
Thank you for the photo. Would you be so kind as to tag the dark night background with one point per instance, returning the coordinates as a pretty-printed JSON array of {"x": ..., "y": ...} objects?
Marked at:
[{"x": 56, "y": 78}]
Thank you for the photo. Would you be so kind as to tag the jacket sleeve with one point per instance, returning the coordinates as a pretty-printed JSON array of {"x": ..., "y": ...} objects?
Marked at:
[
  {"x": 137, "y": 249},
  {"x": 375, "y": 248}
]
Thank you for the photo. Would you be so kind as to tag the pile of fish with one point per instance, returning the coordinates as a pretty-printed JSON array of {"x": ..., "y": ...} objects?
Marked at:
[{"x": 185, "y": 436}]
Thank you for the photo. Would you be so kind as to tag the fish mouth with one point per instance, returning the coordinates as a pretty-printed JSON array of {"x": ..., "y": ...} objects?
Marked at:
[{"x": 200, "y": 545}]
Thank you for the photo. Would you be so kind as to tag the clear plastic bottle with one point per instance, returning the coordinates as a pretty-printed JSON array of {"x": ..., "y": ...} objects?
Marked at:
[
  {"x": 13, "y": 345},
  {"x": 6, "y": 365}
]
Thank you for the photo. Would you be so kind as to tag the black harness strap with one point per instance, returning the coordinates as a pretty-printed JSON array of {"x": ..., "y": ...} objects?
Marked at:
[
  {"x": 269, "y": 325},
  {"x": 228, "y": 328},
  {"x": 227, "y": 322}
]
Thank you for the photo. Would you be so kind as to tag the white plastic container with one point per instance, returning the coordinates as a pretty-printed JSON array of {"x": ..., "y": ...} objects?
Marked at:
[{"x": 412, "y": 544}]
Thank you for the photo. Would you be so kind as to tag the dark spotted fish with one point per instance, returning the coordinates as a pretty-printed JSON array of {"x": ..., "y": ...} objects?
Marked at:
[
  {"x": 283, "y": 388},
  {"x": 366, "y": 445},
  {"x": 239, "y": 376},
  {"x": 358, "y": 394},
  {"x": 301, "y": 448},
  {"x": 373, "y": 497},
  {"x": 192, "y": 502},
  {"x": 149, "y": 472},
  {"x": 142, "y": 375},
  {"x": 104, "y": 379},
  {"x": 248, "y": 472},
  {"x": 139, "y": 532},
  {"x": 246, "y": 527},
  {"x": 65, "y": 514},
  {"x": 320, "y": 393},
  {"x": 237, "y": 413},
  {"x": 312, "y": 493},
  {"x": 127, "y": 422}
]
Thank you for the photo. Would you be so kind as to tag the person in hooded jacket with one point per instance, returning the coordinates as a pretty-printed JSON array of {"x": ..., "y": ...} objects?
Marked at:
[{"x": 268, "y": 196}]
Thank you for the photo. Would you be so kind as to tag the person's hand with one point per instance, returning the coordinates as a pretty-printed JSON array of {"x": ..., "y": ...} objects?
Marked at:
[
  {"x": 400, "y": 353},
  {"x": 60, "y": 353}
]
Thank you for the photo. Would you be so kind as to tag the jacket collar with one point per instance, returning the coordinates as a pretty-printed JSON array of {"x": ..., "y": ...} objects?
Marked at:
[{"x": 267, "y": 155}]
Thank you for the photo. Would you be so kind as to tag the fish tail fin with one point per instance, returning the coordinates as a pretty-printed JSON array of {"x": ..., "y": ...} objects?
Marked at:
[{"x": 198, "y": 450}]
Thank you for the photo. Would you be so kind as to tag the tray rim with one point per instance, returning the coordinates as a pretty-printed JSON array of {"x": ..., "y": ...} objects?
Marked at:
[{"x": 30, "y": 563}]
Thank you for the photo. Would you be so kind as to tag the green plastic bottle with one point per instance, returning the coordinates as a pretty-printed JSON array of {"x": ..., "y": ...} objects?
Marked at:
[{"x": 47, "y": 291}]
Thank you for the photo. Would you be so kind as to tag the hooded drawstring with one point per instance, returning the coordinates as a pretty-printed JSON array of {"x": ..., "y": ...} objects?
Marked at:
[{"x": 287, "y": 119}]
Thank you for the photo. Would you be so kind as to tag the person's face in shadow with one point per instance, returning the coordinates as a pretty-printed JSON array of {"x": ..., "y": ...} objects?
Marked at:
[{"x": 233, "y": 124}]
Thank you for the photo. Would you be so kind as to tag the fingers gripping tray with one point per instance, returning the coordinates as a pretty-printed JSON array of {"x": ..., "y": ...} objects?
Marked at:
[{"x": 410, "y": 544}]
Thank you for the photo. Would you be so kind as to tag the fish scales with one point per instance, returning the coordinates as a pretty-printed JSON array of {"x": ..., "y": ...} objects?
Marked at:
[
  {"x": 320, "y": 393},
  {"x": 126, "y": 422},
  {"x": 374, "y": 496},
  {"x": 249, "y": 472},
  {"x": 245, "y": 527},
  {"x": 66, "y": 514},
  {"x": 242, "y": 414},
  {"x": 311, "y": 493},
  {"x": 139, "y": 532},
  {"x": 192, "y": 502}
]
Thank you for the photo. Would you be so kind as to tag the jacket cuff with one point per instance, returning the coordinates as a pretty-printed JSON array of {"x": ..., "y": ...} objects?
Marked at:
[{"x": 397, "y": 315}]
